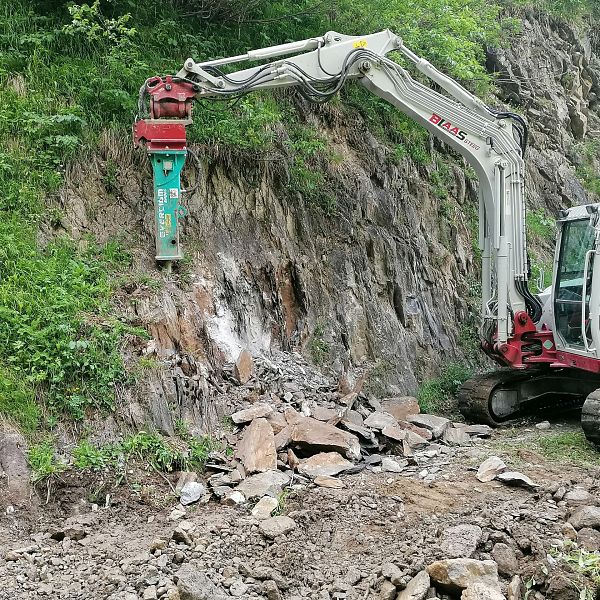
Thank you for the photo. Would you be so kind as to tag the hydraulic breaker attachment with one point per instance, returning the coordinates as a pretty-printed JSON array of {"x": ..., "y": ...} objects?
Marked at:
[
  {"x": 167, "y": 166},
  {"x": 163, "y": 136}
]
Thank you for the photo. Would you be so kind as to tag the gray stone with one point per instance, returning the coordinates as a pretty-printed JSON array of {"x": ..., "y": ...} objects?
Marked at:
[
  {"x": 276, "y": 526},
  {"x": 191, "y": 492},
  {"x": 193, "y": 584},
  {"x": 264, "y": 508},
  {"x": 324, "y": 463},
  {"x": 437, "y": 425},
  {"x": 515, "y": 589},
  {"x": 238, "y": 588},
  {"x": 588, "y": 539},
  {"x": 379, "y": 420},
  {"x": 416, "y": 588},
  {"x": 391, "y": 465},
  {"x": 515, "y": 478},
  {"x": 475, "y": 430},
  {"x": 456, "y": 437},
  {"x": 248, "y": 415},
  {"x": 506, "y": 559},
  {"x": 482, "y": 591},
  {"x": 185, "y": 477},
  {"x": 586, "y": 516},
  {"x": 387, "y": 591},
  {"x": 490, "y": 469},
  {"x": 269, "y": 483},
  {"x": 543, "y": 426},
  {"x": 460, "y": 541},
  {"x": 579, "y": 497},
  {"x": 393, "y": 573}
]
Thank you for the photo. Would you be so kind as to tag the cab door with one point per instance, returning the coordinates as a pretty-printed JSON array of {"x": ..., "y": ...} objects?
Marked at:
[{"x": 575, "y": 295}]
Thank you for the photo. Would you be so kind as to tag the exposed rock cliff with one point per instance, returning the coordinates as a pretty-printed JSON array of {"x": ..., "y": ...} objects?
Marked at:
[{"x": 386, "y": 282}]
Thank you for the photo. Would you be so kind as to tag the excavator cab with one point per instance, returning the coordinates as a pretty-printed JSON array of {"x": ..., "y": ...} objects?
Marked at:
[{"x": 576, "y": 289}]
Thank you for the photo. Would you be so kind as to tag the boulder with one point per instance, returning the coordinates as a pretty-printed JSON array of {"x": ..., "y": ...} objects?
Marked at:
[
  {"x": 416, "y": 588},
  {"x": 387, "y": 591},
  {"x": 460, "y": 573},
  {"x": 506, "y": 559},
  {"x": 409, "y": 438},
  {"x": 324, "y": 414},
  {"x": 193, "y": 584},
  {"x": 424, "y": 433},
  {"x": 256, "y": 449},
  {"x": 401, "y": 407},
  {"x": 185, "y": 477},
  {"x": 324, "y": 463},
  {"x": 586, "y": 516},
  {"x": 276, "y": 526},
  {"x": 244, "y": 367},
  {"x": 437, "y": 425},
  {"x": 249, "y": 414},
  {"x": 475, "y": 430},
  {"x": 490, "y": 469},
  {"x": 277, "y": 421},
  {"x": 482, "y": 591},
  {"x": 269, "y": 483},
  {"x": 282, "y": 439},
  {"x": 313, "y": 435},
  {"x": 460, "y": 541},
  {"x": 379, "y": 420}
]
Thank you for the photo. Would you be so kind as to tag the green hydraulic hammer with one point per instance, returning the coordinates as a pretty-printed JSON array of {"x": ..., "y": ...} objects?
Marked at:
[{"x": 163, "y": 136}]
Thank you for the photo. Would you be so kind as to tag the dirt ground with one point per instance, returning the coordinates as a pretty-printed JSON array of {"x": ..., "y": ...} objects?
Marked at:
[{"x": 120, "y": 544}]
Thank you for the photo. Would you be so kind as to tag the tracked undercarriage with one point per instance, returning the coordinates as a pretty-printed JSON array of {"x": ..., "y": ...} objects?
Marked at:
[{"x": 497, "y": 397}]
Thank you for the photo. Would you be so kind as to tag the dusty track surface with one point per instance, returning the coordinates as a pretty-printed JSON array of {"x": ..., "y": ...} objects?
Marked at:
[{"x": 342, "y": 537}]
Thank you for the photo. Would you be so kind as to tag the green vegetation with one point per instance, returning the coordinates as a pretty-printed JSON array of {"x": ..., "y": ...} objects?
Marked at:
[
  {"x": 540, "y": 225},
  {"x": 42, "y": 460},
  {"x": 437, "y": 394},
  {"x": 319, "y": 348},
  {"x": 570, "y": 446},
  {"x": 588, "y": 170},
  {"x": 585, "y": 564}
]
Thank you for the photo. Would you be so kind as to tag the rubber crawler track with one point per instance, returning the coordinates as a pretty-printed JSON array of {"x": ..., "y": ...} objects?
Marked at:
[{"x": 590, "y": 417}]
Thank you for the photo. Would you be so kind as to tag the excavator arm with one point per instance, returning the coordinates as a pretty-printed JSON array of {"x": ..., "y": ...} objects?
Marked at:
[{"x": 492, "y": 142}]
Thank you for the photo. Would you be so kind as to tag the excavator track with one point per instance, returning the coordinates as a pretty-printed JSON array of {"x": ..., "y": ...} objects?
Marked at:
[
  {"x": 474, "y": 396},
  {"x": 497, "y": 397},
  {"x": 590, "y": 417}
]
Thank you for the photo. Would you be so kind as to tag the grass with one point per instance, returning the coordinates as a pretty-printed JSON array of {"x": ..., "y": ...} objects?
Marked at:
[
  {"x": 318, "y": 347},
  {"x": 566, "y": 447},
  {"x": 435, "y": 395},
  {"x": 162, "y": 454}
]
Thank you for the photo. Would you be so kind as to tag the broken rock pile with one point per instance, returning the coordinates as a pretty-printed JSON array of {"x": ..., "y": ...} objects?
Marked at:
[{"x": 293, "y": 424}]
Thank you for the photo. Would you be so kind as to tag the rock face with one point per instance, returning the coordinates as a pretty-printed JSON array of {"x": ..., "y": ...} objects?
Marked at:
[{"x": 256, "y": 450}]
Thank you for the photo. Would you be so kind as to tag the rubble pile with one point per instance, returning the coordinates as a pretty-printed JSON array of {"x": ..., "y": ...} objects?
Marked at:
[{"x": 295, "y": 425}]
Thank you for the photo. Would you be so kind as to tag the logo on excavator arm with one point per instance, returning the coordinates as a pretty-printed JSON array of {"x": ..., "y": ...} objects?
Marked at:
[{"x": 440, "y": 122}]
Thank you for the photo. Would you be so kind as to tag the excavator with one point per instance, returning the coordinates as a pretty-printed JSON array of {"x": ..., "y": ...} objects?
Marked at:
[{"x": 548, "y": 345}]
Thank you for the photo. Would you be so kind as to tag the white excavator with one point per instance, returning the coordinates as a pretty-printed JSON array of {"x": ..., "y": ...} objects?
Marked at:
[{"x": 549, "y": 345}]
